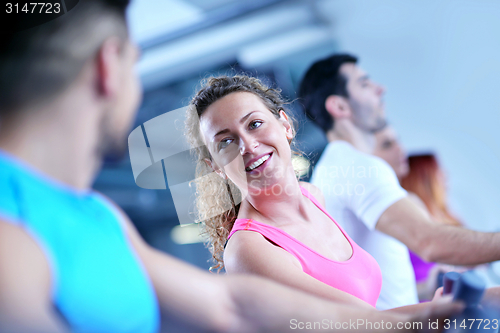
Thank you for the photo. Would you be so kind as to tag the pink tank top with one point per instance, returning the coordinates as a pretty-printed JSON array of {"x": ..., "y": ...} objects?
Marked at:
[{"x": 359, "y": 276}]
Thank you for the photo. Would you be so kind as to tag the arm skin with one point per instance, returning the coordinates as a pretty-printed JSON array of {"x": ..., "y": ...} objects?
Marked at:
[
  {"x": 435, "y": 242},
  {"x": 208, "y": 302},
  {"x": 25, "y": 284},
  {"x": 491, "y": 298}
]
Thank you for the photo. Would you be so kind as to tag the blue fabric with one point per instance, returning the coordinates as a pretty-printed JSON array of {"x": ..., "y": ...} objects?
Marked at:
[{"x": 98, "y": 283}]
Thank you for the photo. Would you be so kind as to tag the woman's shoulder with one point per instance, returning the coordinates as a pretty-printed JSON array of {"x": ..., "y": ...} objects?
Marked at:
[
  {"x": 242, "y": 242},
  {"x": 250, "y": 252}
]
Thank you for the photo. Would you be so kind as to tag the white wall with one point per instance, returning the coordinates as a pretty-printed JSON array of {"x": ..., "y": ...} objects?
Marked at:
[{"x": 440, "y": 63}]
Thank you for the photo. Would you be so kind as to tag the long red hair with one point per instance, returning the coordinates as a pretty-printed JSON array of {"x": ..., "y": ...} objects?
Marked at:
[{"x": 424, "y": 180}]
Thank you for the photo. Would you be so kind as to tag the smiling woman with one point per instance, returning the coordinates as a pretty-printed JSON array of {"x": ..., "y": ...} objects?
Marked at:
[
  {"x": 259, "y": 218},
  {"x": 216, "y": 194}
]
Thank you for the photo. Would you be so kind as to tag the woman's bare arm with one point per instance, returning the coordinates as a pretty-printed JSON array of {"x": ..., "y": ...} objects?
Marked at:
[{"x": 249, "y": 252}]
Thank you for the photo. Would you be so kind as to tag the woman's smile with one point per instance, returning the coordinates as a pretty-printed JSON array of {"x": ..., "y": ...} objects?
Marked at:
[{"x": 258, "y": 163}]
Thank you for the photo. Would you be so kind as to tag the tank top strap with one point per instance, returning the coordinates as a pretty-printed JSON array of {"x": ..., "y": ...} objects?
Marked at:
[
  {"x": 265, "y": 230},
  {"x": 307, "y": 194},
  {"x": 240, "y": 224}
]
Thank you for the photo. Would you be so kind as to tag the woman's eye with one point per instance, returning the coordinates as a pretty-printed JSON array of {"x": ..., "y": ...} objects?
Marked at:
[
  {"x": 224, "y": 143},
  {"x": 255, "y": 124}
]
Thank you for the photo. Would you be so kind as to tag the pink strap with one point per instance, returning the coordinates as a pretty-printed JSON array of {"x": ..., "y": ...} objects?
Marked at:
[
  {"x": 240, "y": 225},
  {"x": 311, "y": 197}
]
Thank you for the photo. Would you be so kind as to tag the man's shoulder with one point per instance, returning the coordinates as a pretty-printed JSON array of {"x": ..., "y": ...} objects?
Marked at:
[{"x": 29, "y": 198}]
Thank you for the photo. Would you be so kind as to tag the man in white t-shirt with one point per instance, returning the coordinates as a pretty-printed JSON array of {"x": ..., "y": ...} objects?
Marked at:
[{"x": 362, "y": 192}]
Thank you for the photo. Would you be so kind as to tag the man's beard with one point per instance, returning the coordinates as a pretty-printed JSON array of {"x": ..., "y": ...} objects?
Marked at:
[
  {"x": 380, "y": 124},
  {"x": 361, "y": 113},
  {"x": 111, "y": 146}
]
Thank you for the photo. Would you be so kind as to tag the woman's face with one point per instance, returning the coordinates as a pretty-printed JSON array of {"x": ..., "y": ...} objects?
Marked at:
[
  {"x": 247, "y": 142},
  {"x": 388, "y": 148}
]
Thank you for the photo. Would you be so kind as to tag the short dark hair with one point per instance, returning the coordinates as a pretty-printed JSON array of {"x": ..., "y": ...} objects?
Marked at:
[
  {"x": 321, "y": 80},
  {"x": 38, "y": 63}
]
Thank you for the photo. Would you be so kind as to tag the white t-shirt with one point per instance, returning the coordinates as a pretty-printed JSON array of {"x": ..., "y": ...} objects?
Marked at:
[{"x": 358, "y": 188}]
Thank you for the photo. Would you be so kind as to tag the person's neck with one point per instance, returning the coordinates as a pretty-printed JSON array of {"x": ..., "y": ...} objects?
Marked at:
[
  {"x": 277, "y": 205},
  {"x": 58, "y": 139},
  {"x": 345, "y": 130}
]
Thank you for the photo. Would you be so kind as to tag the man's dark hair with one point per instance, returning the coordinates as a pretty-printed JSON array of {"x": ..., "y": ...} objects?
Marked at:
[
  {"x": 38, "y": 63},
  {"x": 321, "y": 80}
]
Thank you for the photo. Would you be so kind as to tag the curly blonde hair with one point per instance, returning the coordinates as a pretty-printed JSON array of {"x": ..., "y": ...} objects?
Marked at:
[{"x": 213, "y": 193}]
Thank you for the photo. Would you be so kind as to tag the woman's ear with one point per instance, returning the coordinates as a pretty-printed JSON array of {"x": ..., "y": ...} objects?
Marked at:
[
  {"x": 286, "y": 125},
  {"x": 212, "y": 165}
]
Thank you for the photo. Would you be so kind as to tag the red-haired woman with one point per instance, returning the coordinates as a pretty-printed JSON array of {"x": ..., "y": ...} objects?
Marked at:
[{"x": 427, "y": 181}]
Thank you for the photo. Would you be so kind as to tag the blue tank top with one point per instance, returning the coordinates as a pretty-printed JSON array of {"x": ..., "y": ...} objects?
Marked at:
[{"x": 98, "y": 282}]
